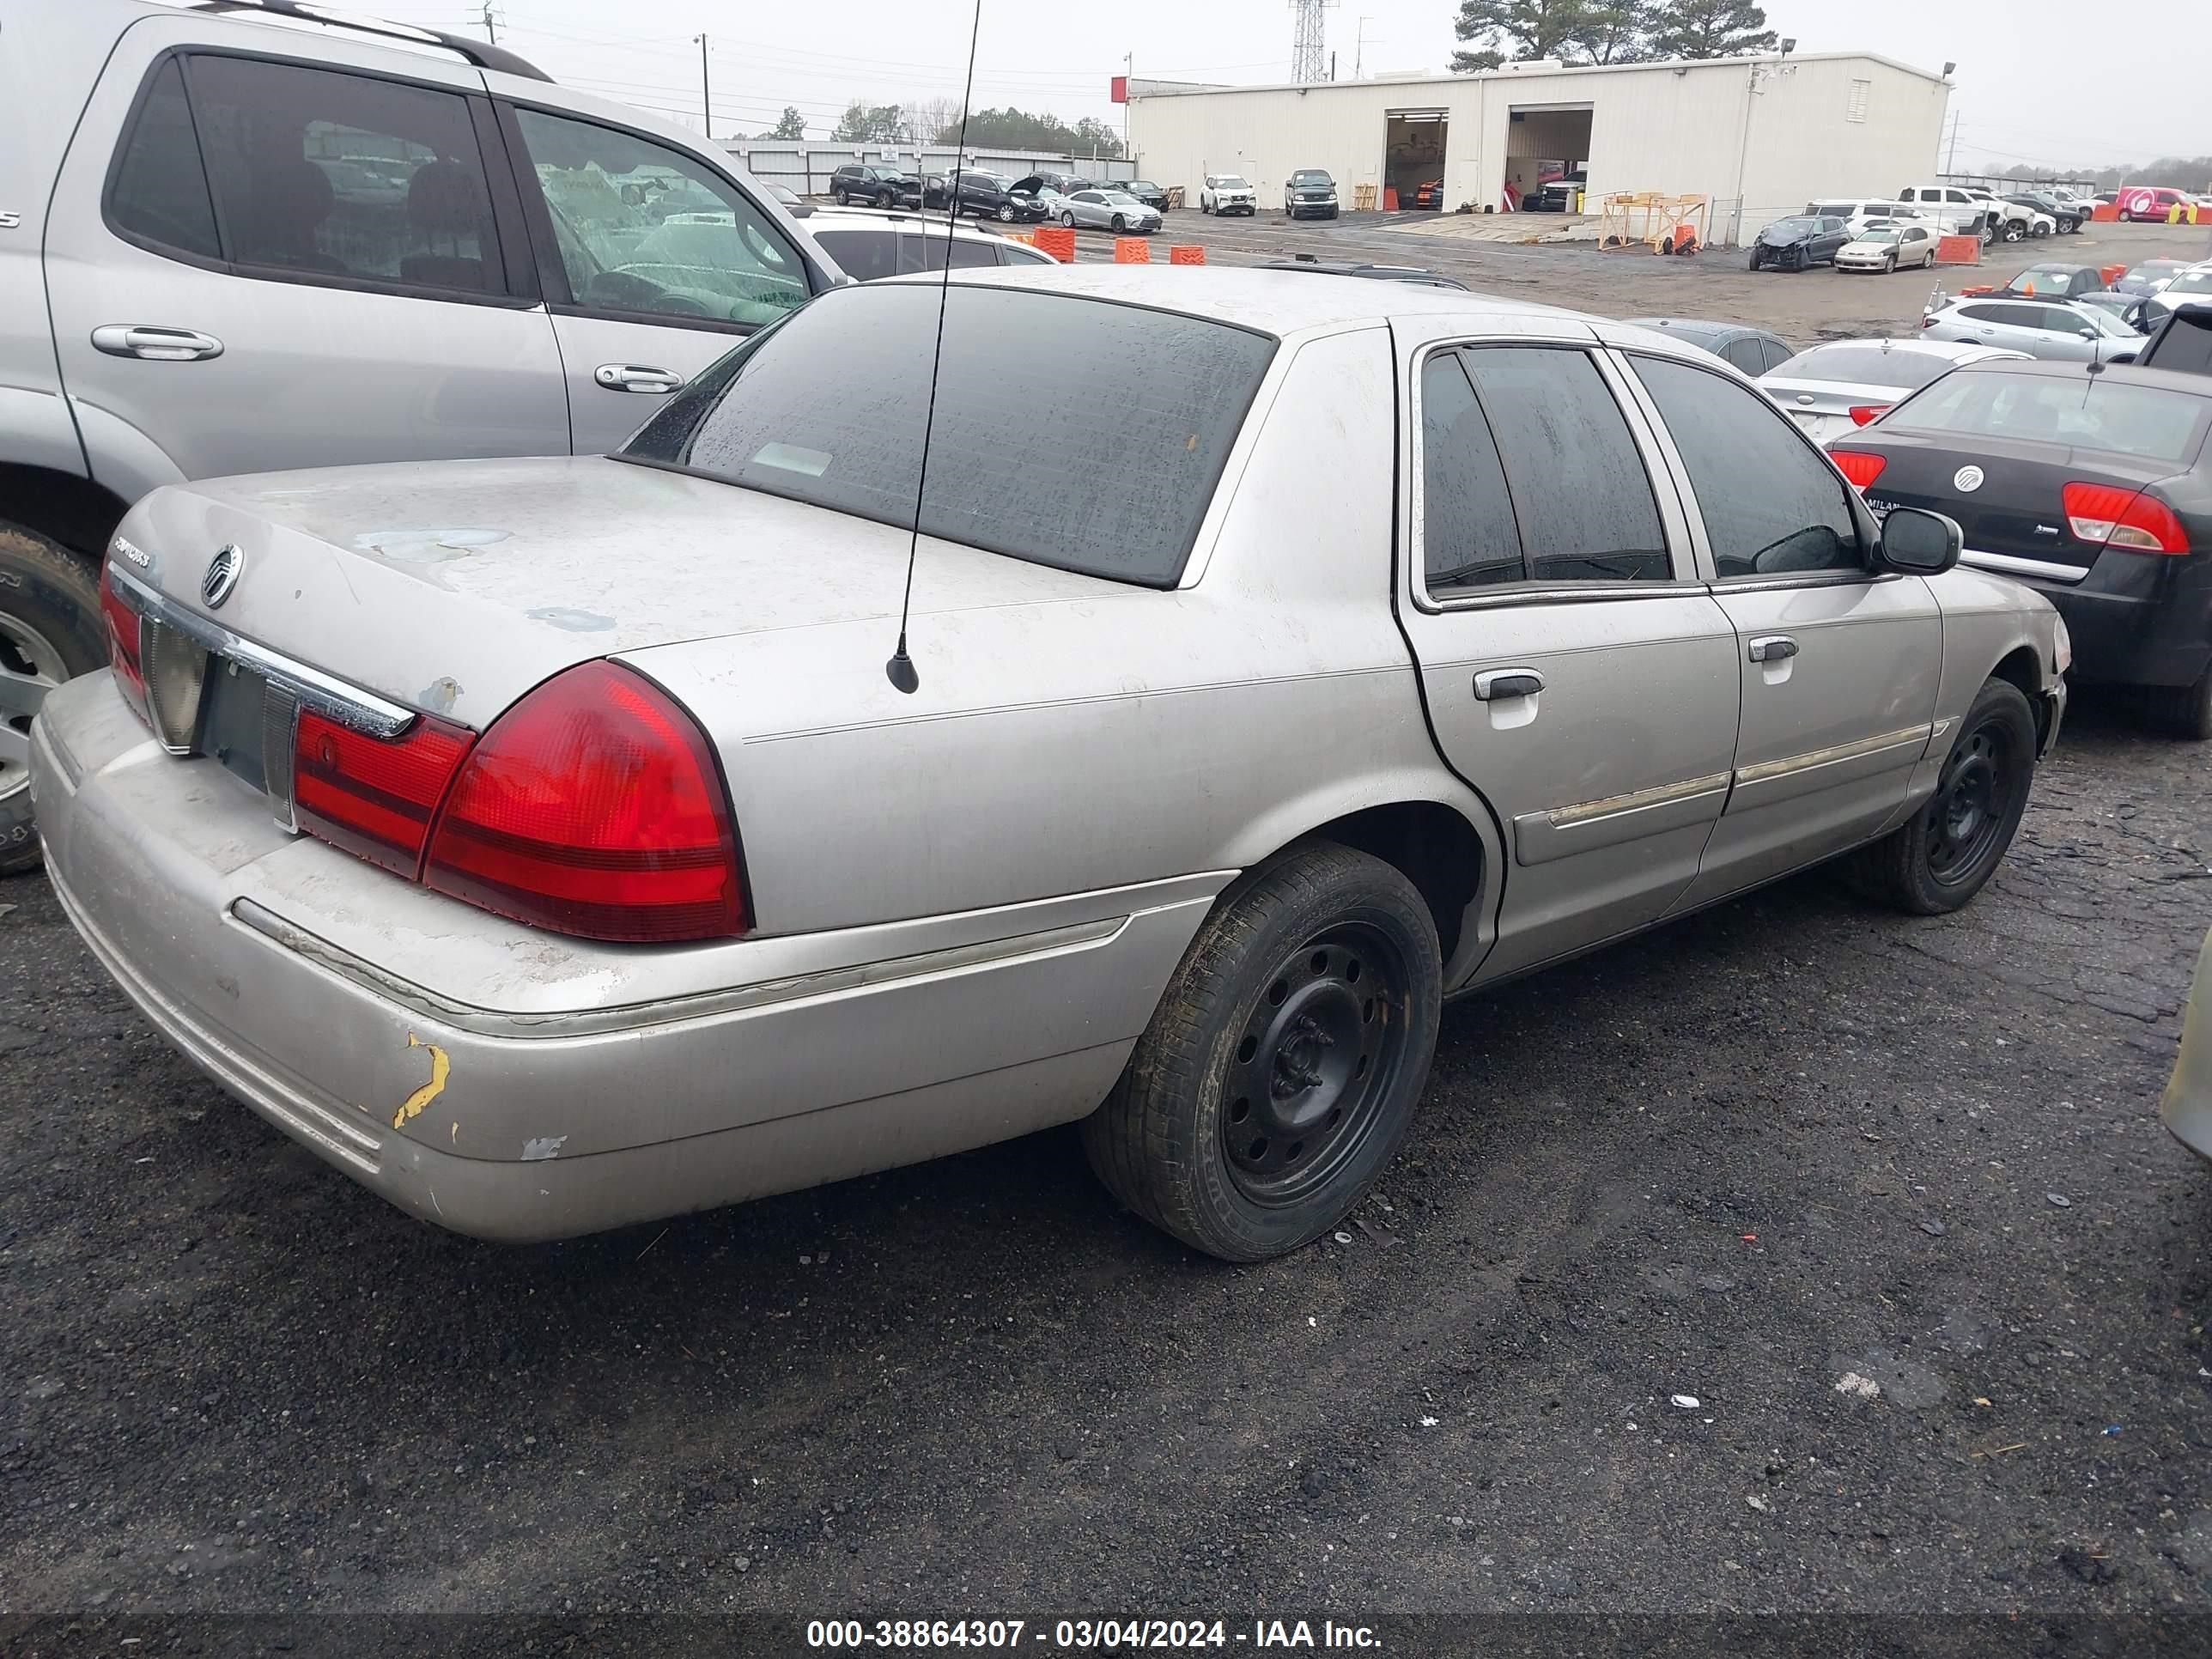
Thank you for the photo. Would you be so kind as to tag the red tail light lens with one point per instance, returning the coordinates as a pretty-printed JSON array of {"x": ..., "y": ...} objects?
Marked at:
[
  {"x": 1868, "y": 414},
  {"x": 2110, "y": 515},
  {"x": 123, "y": 645},
  {"x": 594, "y": 807},
  {"x": 1858, "y": 466},
  {"x": 375, "y": 797}
]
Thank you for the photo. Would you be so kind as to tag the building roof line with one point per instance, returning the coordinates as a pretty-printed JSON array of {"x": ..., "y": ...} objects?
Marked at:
[{"x": 1531, "y": 74}]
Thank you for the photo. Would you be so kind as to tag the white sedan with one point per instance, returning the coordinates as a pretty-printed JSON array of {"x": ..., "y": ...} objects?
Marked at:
[
  {"x": 1886, "y": 246},
  {"x": 1108, "y": 210},
  {"x": 1830, "y": 390}
]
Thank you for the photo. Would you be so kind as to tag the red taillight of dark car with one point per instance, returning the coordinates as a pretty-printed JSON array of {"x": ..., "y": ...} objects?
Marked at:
[
  {"x": 2112, "y": 515},
  {"x": 593, "y": 806},
  {"x": 375, "y": 797},
  {"x": 1860, "y": 466}
]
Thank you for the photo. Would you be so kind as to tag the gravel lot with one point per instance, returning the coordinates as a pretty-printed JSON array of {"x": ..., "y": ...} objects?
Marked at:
[{"x": 1791, "y": 1142}]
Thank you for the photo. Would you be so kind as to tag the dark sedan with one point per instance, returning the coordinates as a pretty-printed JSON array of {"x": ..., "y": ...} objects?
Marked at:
[
  {"x": 1143, "y": 189},
  {"x": 2053, "y": 281},
  {"x": 1793, "y": 244},
  {"x": 1754, "y": 350},
  {"x": 2095, "y": 488}
]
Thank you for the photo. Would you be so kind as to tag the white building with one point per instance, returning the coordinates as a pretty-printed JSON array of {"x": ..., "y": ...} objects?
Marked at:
[{"x": 1772, "y": 132}]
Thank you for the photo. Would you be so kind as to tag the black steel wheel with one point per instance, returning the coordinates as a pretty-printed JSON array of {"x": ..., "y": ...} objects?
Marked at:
[
  {"x": 1322, "y": 1050},
  {"x": 1952, "y": 845},
  {"x": 1281, "y": 1068}
]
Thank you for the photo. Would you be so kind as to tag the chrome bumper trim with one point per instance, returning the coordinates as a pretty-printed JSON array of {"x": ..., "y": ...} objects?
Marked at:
[
  {"x": 349, "y": 705},
  {"x": 2007, "y": 564}
]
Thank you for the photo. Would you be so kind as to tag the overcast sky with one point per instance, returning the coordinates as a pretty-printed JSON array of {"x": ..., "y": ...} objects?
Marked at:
[{"x": 2049, "y": 81}]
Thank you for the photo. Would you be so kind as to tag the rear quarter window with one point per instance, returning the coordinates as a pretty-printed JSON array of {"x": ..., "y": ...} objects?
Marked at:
[{"x": 1069, "y": 432}]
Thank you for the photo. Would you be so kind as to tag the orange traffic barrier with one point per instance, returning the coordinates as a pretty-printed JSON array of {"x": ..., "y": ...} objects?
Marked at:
[
  {"x": 1958, "y": 251},
  {"x": 1132, "y": 250},
  {"x": 2105, "y": 213},
  {"x": 1058, "y": 240},
  {"x": 1185, "y": 254},
  {"x": 1390, "y": 200},
  {"x": 2111, "y": 274}
]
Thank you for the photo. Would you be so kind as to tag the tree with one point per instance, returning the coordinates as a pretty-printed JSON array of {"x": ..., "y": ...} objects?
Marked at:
[
  {"x": 1709, "y": 28},
  {"x": 869, "y": 124},
  {"x": 934, "y": 120},
  {"x": 1517, "y": 28},
  {"x": 1617, "y": 33},
  {"x": 793, "y": 124},
  {"x": 1093, "y": 136}
]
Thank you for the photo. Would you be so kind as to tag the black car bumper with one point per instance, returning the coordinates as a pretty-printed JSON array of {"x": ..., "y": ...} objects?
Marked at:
[{"x": 2137, "y": 618}]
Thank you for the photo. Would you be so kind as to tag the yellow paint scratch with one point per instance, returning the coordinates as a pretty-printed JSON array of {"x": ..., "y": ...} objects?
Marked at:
[{"x": 440, "y": 1068}]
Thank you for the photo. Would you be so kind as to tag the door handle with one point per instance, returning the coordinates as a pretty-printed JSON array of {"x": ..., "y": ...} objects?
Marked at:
[
  {"x": 637, "y": 377},
  {"x": 1495, "y": 683},
  {"x": 154, "y": 343},
  {"x": 1773, "y": 648}
]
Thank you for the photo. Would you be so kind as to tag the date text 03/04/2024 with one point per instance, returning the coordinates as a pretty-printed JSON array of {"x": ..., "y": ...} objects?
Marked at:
[{"x": 1086, "y": 1633}]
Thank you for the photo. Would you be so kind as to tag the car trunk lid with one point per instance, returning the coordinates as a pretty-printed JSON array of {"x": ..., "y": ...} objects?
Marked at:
[{"x": 452, "y": 588}]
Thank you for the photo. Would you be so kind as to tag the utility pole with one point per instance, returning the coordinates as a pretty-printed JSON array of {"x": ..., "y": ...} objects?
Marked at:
[
  {"x": 1129, "y": 70},
  {"x": 1951, "y": 156},
  {"x": 706, "y": 94},
  {"x": 490, "y": 23}
]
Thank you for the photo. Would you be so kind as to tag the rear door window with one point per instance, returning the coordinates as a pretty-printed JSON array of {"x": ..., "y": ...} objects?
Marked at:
[
  {"x": 921, "y": 252},
  {"x": 1771, "y": 506},
  {"x": 866, "y": 256},
  {"x": 1046, "y": 406},
  {"x": 284, "y": 170},
  {"x": 1469, "y": 536},
  {"x": 1744, "y": 353}
]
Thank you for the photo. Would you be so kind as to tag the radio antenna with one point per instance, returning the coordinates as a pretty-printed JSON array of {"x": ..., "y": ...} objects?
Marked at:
[{"x": 900, "y": 670}]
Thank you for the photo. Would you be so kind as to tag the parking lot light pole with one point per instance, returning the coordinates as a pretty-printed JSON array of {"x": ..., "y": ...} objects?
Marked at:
[{"x": 706, "y": 96}]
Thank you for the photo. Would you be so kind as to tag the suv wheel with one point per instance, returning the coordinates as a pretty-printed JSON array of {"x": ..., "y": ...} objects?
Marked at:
[
  {"x": 1955, "y": 843},
  {"x": 1006, "y": 212},
  {"x": 2014, "y": 230},
  {"x": 1282, "y": 1066},
  {"x": 886, "y": 199},
  {"x": 844, "y": 196},
  {"x": 50, "y": 631}
]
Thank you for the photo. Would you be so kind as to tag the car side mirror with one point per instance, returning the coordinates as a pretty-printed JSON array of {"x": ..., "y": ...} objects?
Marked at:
[{"x": 1920, "y": 543}]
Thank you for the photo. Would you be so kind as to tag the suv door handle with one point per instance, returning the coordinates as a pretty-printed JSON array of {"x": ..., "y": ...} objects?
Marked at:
[
  {"x": 637, "y": 377},
  {"x": 154, "y": 343},
  {"x": 1494, "y": 684},
  {"x": 1773, "y": 648}
]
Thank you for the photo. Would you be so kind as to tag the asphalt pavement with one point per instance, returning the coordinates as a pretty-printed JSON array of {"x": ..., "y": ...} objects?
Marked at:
[{"x": 1798, "y": 1256}]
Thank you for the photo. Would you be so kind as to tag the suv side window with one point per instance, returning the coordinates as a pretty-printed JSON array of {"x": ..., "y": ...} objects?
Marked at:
[
  {"x": 160, "y": 193},
  {"x": 1745, "y": 354},
  {"x": 1771, "y": 508},
  {"x": 1469, "y": 536},
  {"x": 645, "y": 229},
  {"x": 284, "y": 170},
  {"x": 920, "y": 252},
  {"x": 864, "y": 253}
]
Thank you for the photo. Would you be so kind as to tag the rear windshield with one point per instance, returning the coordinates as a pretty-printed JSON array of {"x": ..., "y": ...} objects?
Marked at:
[
  {"x": 2144, "y": 420},
  {"x": 1069, "y": 432},
  {"x": 2184, "y": 343},
  {"x": 1866, "y": 366}
]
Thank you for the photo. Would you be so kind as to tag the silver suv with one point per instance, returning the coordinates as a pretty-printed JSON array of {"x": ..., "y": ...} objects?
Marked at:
[{"x": 251, "y": 238}]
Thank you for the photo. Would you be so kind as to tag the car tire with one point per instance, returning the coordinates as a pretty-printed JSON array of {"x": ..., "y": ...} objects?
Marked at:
[
  {"x": 2013, "y": 231},
  {"x": 1332, "y": 213},
  {"x": 1754, "y": 260},
  {"x": 2185, "y": 711},
  {"x": 1282, "y": 1064},
  {"x": 1889, "y": 266},
  {"x": 1945, "y": 855},
  {"x": 843, "y": 197},
  {"x": 1069, "y": 219},
  {"x": 1119, "y": 224},
  {"x": 885, "y": 199},
  {"x": 50, "y": 631}
]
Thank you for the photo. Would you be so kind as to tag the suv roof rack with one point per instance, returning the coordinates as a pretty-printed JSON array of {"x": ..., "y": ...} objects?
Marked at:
[{"x": 478, "y": 53}]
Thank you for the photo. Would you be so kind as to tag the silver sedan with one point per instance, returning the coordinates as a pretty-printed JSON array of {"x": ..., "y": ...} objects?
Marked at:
[
  {"x": 1832, "y": 390},
  {"x": 1108, "y": 210},
  {"x": 555, "y": 844}
]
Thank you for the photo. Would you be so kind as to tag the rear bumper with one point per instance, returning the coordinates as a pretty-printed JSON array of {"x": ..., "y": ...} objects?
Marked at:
[
  {"x": 2135, "y": 618},
  {"x": 534, "y": 1096}
]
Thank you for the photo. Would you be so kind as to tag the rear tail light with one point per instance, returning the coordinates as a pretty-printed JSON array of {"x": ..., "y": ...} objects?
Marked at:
[
  {"x": 123, "y": 645},
  {"x": 1860, "y": 466},
  {"x": 1868, "y": 414},
  {"x": 593, "y": 806},
  {"x": 375, "y": 797},
  {"x": 2111, "y": 515}
]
